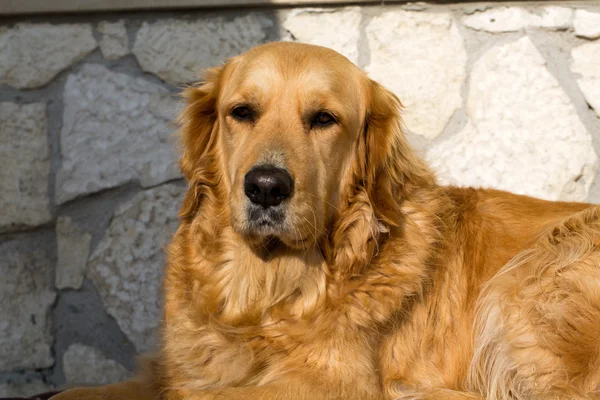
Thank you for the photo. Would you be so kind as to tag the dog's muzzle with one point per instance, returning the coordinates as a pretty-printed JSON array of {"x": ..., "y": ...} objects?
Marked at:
[{"x": 267, "y": 188}]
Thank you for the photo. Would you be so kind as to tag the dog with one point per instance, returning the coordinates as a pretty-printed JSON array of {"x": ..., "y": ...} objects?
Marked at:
[{"x": 317, "y": 257}]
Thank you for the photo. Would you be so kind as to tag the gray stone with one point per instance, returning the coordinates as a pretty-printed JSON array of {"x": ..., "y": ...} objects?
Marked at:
[
  {"x": 73, "y": 250},
  {"x": 523, "y": 133},
  {"x": 24, "y": 390},
  {"x": 24, "y": 165},
  {"x": 177, "y": 50},
  {"x": 33, "y": 54},
  {"x": 586, "y": 61},
  {"x": 114, "y": 43},
  {"x": 84, "y": 365},
  {"x": 26, "y": 296},
  {"x": 512, "y": 19},
  {"x": 421, "y": 57},
  {"x": 333, "y": 28},
  {"x": 116, "y": 129},
  {"x": 128, "y": 264},
  {"x": 587, "y": 24}
]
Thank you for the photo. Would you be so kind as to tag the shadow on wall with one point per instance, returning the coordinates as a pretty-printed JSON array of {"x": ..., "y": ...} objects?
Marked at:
[{"x": 91, "y": 188}]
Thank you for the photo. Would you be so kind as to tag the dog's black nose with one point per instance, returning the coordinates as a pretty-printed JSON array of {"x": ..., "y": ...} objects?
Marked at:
[{"x": 268, "y": 186}]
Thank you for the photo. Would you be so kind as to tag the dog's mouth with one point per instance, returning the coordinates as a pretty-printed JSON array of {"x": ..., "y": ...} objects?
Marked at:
[
  {"x": 268, "y": 189},
  {"x": 265, "y": 225},
  {"x": 268, "y": 212},
  {"x": 265, "y": 221}
]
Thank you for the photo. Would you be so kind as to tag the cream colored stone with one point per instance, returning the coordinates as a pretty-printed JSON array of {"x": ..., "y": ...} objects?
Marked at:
[
  {"x": 114, "y": 43},
  {"x": 127, "y": 265},
  {"x": 178, "y": 50},
  {"x": 73, "y": 246},
  {"x": 587, "y": 24},
  {"x": 512, "y": 19},
  {"x": 24, "y": 390},
  {"x": 505, "y": 19},
  {"x": 33, "y": 54},
  {"x": 586, "y": 61},
  {"x": 24, "y": 166},
  {"x": 421, "y": 57},
  {"x": 337, "y": 29},
  {"x": 116, "y": 129},
  {"x": 551, "y": 18},
  {"x": 523, "y": 134},
  {"x": 84, "y": 365},
  {"x": 26, "y": 295}
]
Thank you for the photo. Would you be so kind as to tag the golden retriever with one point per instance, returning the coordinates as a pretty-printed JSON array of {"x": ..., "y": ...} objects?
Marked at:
[{"x": 317, "y": 258}]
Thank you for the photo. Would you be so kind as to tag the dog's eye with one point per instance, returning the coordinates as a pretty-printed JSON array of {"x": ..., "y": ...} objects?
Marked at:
[
  {"x": 242, "y": 113},
  {"x": 323, "y": 119}
]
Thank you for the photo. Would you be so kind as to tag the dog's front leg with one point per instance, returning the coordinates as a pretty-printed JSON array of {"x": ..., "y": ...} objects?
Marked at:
[
  {"x": 287, "y": 391},
  {"x": 440, "y": 394},
  {"x": 129, "y": 390}
]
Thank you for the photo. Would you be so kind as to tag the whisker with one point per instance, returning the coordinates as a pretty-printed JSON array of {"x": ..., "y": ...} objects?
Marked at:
[{"x": 326, "y": 201}]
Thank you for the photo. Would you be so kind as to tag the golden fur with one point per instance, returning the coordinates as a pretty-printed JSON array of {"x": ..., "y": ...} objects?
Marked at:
[{"x": 379, "y": 283}]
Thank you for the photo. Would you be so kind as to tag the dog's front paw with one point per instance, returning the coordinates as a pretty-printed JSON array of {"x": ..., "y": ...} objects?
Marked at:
[{"x": 439, "y": 394}]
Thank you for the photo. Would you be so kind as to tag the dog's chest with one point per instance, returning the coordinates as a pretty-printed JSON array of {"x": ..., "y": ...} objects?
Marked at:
[
  {"x": 283, "y": 346},
  {"x": 270, "y": 318},
  {"x": 234, "y": 349}
]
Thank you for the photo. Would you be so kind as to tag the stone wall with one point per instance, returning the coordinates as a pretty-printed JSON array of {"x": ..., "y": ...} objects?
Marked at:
[{"x": 495, "y": 95}]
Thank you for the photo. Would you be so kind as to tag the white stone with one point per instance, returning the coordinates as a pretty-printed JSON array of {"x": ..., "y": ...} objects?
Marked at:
[
  {"x": 523, "y": 133},
  {"x": 24, "y": 166},
  {"x": 505, "y": 19},
  {"x": 114, "y": 43},
  {"x": 586, "y": 61},
  {"x": 552, "y": 18},
  {"x": 33, "y": 54},
  {"x": 336, "y": 29},
  {"x": 84, "y": 365},
  {"x": 421, "y": 57},
  {"x": 116, "y": 129},
  {"x": 512, "y": 19},
  {"x": 177, "y": 50},
  {"x": 128, "y": 264},
  {"x": 587, "y": 24},
  {"x": 73, "y": 250},
  {"x": 25, "y": 298},
  {"x": 24, "y": 390}
]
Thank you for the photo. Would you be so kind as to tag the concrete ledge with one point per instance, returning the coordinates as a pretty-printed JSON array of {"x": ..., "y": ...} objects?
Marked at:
[{"x": 15, "y": 7}]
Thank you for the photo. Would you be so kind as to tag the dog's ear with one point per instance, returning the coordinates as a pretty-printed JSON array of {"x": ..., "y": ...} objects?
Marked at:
[
  {"x": 198, "y": 122},
  {"x": 385, "y": 173},
  {"x": 388, "y": 167},
  {"x": 198, "y": 136}
]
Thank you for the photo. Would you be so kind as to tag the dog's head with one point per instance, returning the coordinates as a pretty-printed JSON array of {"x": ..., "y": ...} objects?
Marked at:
[{"x": 295, "y": 143}]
